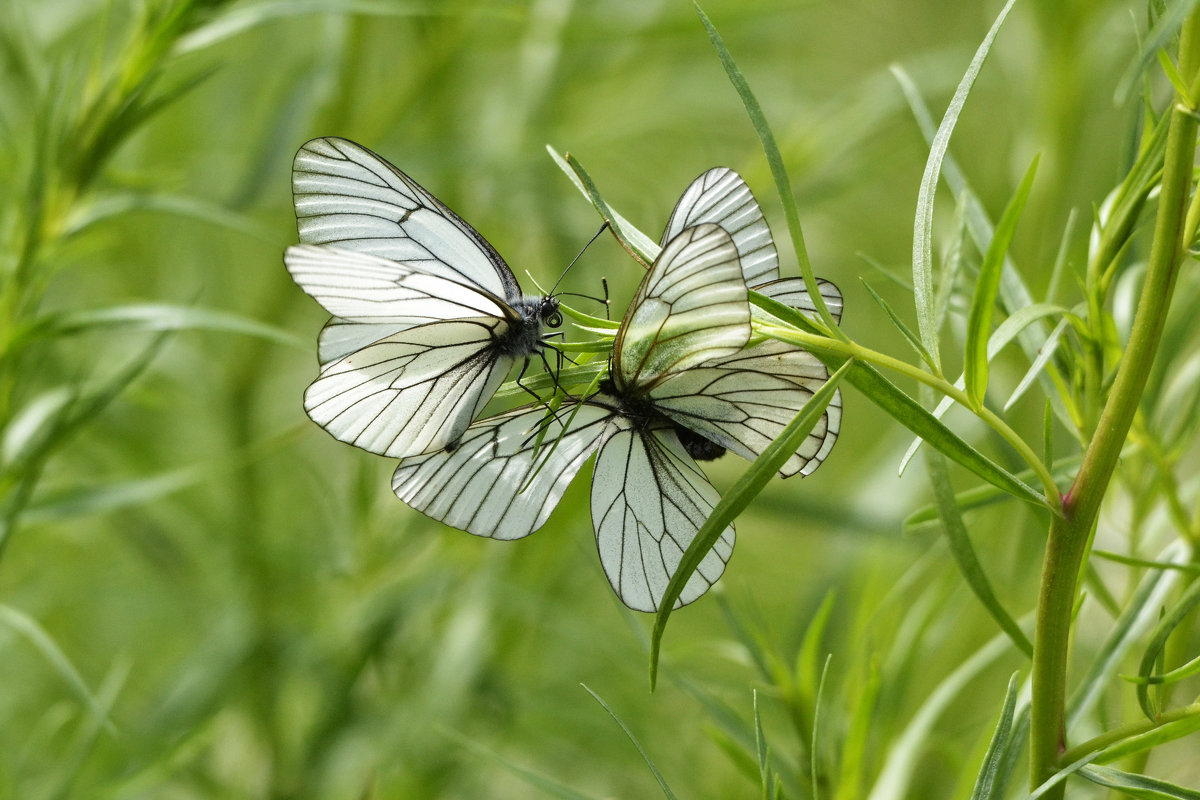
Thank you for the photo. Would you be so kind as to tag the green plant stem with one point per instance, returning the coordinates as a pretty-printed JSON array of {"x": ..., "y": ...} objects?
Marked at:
[
  {"x": 1070, "y": 533},
  {"x": 853, "y": 350}
]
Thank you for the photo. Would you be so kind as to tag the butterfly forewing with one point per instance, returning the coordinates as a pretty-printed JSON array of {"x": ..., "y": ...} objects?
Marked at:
[
  {"x": 721, "y": 197},
  {"x": 502, "y": 480},
  {"x": 347, "y": 196},
  {"x": 364, "y": 288},
  {"x": 691, "y": 307},
  {"x": 648, "y": 501}
]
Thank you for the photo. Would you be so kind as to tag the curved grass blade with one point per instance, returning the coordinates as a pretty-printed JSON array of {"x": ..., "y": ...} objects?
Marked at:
[
  {"x": 36, "y": 635},
  {"x": 964, "y": 552},
  {"x": 908, "y": 335},
  {"x": 1140, "y": 786},
  {"x": 737, "y": 498},
  {"x": 639, "y": 245},
  {"x": 923, "y": 226},
  {"x": 1188, "y": 601},
  {"x": 990, "y": 778},
  {"x": 783, "y": 184},
  {"x": 983, "y": 301},
  {"x": 167, "y": 317},
  {"x": 814, "y": 749},
  {"x": 629, "y": 734}
]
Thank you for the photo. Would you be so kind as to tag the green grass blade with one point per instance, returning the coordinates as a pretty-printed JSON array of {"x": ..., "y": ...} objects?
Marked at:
[
  {"x": 909, "y": 413},
  {"x": 814, "y": 750},
  {"x": 737, "y": 498},
  {"x": 964, "y": 552},
  {"x": 783, "y": 184},
  {"x": 27, "y": 627},
  {"x": 908, "y": 335},
  {"x": 167, "y": 317},
  {"x": 115, "y": 204},
  {"x": 639, "y": 245},
  {"x": 1165, "y": 27},
  {"x": 857, "y": 743},
  {"x": 629, "y": 734},
  {"x": 1188, "y": 601},
  {"x": 990, "y": 778},
  {"x": 923, "y": 226},
  {"x": 1141, "y": 612},
  {"x": 983, "y": 301},
  {"x": 1141, "y": 786},
  {"x": 908, "y": 751}
]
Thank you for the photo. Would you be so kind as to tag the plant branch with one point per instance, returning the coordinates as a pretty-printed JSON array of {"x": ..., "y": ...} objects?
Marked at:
[{"x": 1070, "y": 534}]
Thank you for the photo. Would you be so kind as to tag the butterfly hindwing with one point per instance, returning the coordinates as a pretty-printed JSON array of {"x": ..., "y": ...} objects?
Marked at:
[
  {"x": 412, "y": 392},
  {"x": 501, "y": 481},
  {"x": 648, "y": 501}
]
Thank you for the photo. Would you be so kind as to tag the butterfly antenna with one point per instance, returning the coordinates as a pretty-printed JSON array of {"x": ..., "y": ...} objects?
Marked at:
[{"x": 603, "y": 228}]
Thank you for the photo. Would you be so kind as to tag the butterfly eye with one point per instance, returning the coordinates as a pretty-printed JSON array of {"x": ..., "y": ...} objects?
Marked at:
[{"x": 555, "y": 320}]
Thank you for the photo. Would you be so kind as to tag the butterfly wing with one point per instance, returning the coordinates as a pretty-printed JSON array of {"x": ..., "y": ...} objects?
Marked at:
[
  {"x": 363, "y": 288},
  {"x": 412, "y": 392},
  {"x": 347, "y": 196},
  {"x": 721, "y": 197},
  {"x": 648, "y": 501},
  {"x": 743, "y": 402},
  {"x": 691, "y": 307},
  {"x": 477, "y": 486}
]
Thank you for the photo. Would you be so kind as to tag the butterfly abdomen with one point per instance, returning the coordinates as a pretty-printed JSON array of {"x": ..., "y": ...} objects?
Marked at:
[{"x": 697, "y": 446}]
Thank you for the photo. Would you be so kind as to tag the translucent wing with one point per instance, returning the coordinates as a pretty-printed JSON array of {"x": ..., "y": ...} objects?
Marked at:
[
  {"x": 691, "y": 307},
  {"x": 721, "y": 197},
  {"x": 648, "y": 501},
  {"x": 792, "y": 292},
  {"x": 349, "y": 197},
  {"x": 364, "y": 288},
  {"x": 413, "y": 392},
  {"x": 476, "y": 487},
  {"x": 742, "y": 402}
]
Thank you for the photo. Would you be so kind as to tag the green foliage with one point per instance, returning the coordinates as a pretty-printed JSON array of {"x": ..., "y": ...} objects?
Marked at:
[{"x": 202, "y": 595}]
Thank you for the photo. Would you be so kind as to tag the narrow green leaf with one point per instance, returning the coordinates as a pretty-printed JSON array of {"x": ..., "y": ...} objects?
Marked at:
[
  {"x": 964, "y": 552},
  {"x": 36, "y": 635},
  {"x": 815, "y": 749},
  {"x": 857, "y": 743},
  {"x": 908, "y": 412},
  {"x": 110, "y": 496},
  {"x": 981, "y": 496},
  {"x": 923, "y": 226},
  {"x": 1039, "y": 363},
  {"x": 535, "y": 779},
  {"x": 166, "y": 317},
  {"x": 115, "y": 204},
  {"x": 1141, "y": 612},
  {"x": 1140, "y": 786},
  {"x": 638, "y": 244},
  {"x": 909, "y": 336},
  {"x": 737, "y": 498},
  {"x": 1048, "y": 433},
  {"x": 783, "y": 184},
  {"x": 952, "y": 264},
  {"x": 810, "y": 646},
  {"x": 909, "y": 749},
  {"x": 629, "y": 734},
  {"x": 1188, "y": 601},
  {"x": 1165, "y": 27},
  {"x": 1145, "y": 563},
  {"x": 983, "y": 301},
  {"x": 990, "y": 778}
]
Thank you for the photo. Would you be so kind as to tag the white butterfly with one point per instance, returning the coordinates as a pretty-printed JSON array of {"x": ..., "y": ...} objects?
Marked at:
[
  {"x": 683, "y": 386},
  {"x": 427, "y": 318}
]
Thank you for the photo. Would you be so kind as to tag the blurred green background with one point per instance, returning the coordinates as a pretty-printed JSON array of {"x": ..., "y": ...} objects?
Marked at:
[{"x": 244, "y": 600}]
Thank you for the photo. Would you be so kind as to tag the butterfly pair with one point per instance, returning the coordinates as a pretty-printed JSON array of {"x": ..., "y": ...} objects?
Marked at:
[{"x": 685, "y": 383}]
